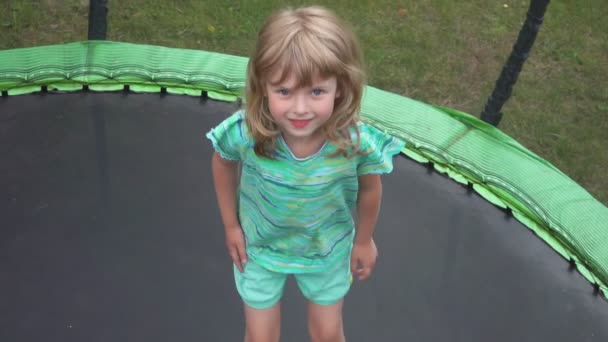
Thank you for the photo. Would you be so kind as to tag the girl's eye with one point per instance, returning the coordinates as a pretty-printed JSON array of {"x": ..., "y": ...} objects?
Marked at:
[
  {"x": 283, "y": 92},
  {"x": 317, "y": 92}
]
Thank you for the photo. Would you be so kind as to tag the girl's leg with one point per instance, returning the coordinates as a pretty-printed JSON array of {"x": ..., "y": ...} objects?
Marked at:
[
  {"x": 325, "y": 292},
  {"x": 262, "y": 325},
  {"x": 325, "y": 322},
  {"x": 261, "y": 291}
]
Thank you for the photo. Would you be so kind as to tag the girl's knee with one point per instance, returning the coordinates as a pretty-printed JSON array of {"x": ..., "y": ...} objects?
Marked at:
[
  {"x": 262, "y": 335},
  {"x": 325, "y": 322},
  {"x": 262, "y": 325},
  {"x": 326, "y": 330}
]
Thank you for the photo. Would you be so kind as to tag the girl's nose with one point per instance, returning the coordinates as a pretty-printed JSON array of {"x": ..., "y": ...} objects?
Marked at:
[{"x": 300, "y": 105}]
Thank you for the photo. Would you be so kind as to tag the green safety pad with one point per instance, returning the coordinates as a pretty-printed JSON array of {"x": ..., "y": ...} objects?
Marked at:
[{"x": 145, "y": 68}]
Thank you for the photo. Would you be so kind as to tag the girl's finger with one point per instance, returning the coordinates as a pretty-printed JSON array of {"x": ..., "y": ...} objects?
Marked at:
[
  {"x": 234, "y": 255},
  {"x": 364, "y": 273},
  {"x": 354, "y": 266},
  {"x": 242, "y": 254}
]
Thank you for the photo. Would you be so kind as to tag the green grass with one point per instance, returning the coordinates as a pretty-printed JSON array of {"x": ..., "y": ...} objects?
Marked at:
[{"x": 442, "y": 52}]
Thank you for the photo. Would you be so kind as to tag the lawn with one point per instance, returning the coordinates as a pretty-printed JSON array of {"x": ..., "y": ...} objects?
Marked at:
[{"x": 442, "y": 52}]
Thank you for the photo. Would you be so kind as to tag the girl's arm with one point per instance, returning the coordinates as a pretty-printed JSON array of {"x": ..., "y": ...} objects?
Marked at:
[
  {"x": 225, "y": 174},
  {"x": 224, "y": 179},
  {"x": 368, "y": 206},
  {"x": 364, "y": 251}
]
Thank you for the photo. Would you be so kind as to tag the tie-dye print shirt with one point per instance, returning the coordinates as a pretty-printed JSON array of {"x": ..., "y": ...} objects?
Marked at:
[{"x": 296, "y": 213}]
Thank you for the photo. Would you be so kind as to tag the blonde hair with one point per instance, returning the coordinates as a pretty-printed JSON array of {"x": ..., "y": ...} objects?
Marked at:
[{"x": 305, "y": 42}]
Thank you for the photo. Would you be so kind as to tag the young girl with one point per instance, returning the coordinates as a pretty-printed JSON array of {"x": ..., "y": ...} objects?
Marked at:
[{"x": 306, "y": 163}]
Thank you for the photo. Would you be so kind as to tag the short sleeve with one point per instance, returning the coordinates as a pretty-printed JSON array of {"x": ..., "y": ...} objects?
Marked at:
[
  {"x": 378, "y": 149},
  {"x": 230, "y": 137}
]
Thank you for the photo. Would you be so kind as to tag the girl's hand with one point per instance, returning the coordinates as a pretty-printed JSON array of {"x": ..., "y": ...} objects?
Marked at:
[
  {"x": 235, "y": 242},
  {"x": 363, "y": 259}
]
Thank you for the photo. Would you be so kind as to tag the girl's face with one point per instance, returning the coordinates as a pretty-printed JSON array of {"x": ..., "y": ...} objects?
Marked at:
[{"x": 300, "y": 112}]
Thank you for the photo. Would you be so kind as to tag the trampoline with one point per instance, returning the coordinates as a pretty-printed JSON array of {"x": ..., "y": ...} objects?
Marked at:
[{"x": 110, "y": 229}]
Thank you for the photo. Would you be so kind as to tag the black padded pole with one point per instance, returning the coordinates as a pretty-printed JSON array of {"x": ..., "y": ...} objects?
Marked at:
[
  {"x": 98, "y": 22},
  {"x": 510, "y": 72}
]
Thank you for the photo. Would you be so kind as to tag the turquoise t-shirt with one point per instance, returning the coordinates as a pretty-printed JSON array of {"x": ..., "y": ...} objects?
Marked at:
[{"x": 297, "y": 213}]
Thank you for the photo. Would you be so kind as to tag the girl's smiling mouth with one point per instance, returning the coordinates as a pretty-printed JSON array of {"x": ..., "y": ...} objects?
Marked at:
[{"x": 300, "y": 123}]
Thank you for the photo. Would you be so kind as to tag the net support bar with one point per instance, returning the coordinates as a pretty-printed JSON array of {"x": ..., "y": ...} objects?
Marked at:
[
  {"x": 98, "y": 23},
  {"x": 504, "y": 85}
]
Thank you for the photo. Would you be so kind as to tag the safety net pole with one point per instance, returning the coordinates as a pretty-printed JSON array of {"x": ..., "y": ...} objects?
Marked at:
[
  {"x": 513, "y": 66},
  {"x": 98, "y": 10}
]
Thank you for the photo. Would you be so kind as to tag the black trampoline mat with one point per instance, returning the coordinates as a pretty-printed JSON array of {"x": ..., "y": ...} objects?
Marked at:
[{"x": 111, "y": 232}]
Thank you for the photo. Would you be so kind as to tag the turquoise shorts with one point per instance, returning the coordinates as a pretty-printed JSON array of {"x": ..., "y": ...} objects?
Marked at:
[{"x": 261, "y": 288}]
